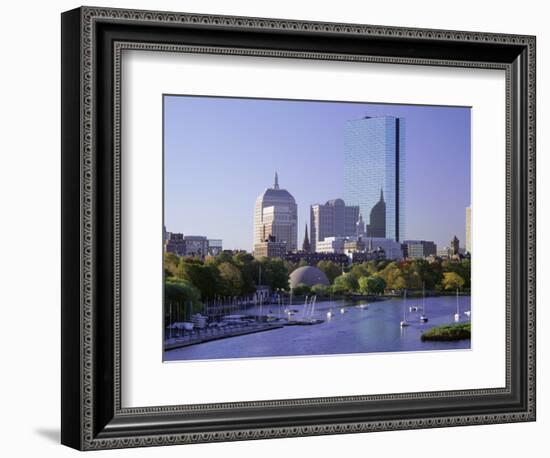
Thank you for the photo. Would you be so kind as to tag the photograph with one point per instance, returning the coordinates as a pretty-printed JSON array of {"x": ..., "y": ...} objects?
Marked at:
[
  {"x": 306, "y": 228},
  {"x": 278, "y": 221}
]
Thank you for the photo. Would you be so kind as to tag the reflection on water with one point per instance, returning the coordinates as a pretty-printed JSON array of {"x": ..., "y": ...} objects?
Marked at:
[{"x": 357, "y": 330}]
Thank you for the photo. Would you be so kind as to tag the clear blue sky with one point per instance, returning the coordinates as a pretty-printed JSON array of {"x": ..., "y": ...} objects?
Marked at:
[{"x": 221, "y": 153}]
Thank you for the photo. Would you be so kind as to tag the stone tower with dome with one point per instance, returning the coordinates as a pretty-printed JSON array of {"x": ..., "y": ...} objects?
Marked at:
[{"x": 276, "y": 217}]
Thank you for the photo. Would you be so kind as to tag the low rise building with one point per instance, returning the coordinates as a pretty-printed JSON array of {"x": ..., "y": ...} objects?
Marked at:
[
  {"x": 174, "y": 243},
  {"x": 376, "y": 255},
  {"x": 390, "y": 247},
  {"x": 215, "y": 247},
  {"x": 190, "y": 245},
  {"x": 331, "y": 245},
  {"x": 418, "y": 249},
  {"x": 196, "y": 245},
  {"x": 270, "y": 248},
  {"x": 313, "y": 258},
  {"x": 445, "y": 252}
]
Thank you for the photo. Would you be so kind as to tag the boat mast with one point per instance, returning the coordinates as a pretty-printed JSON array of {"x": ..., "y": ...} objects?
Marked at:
[
  {"x": 405, "y": 305},
  {"x": 423, "y": 296}
]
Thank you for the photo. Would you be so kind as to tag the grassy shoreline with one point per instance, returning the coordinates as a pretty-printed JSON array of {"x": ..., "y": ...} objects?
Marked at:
[{"x": 448, "y": 333}]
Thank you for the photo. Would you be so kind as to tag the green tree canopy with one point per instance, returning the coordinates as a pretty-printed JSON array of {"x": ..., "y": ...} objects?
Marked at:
[
  {"x": 462, "y": 268},
  {"x": 301, "y": 289},
  {"x": 393, "y": 277},
  {"x": 359, "y": 270},
  {"x": 330, "y": 268},
  {"x": 345, "y": 284},
  {"x": 376, "y": 285},
  {"x": 320, "y": 290},
  {"x": 249, "y": 269},
  {"x": 171, "y": 262},
  {"x": 231, "y": 278},
  {"x": 205, "y": 277},
  {"x": 410, "y": 275},
  {"x": 182, "y": 291},
  {"x": 372, "y": 267},
  {"x": 274, "y": 273},
  {"x": 451, "y": 280},
  {"x": 182, "y": 299},
  {"x": 371, "y": 285},
  {"x": 363, "y": 285},
  {"x": 430, "y": 274}
]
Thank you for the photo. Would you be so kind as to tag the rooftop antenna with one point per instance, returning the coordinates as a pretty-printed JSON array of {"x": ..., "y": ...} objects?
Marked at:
[{"x": 276, "y": 185}]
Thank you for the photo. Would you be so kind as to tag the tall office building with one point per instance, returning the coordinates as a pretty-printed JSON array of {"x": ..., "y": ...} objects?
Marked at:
[
  {"x": 276, "y": 217},
  {"x": 374, "y": 173},
  {"x": 468, "y": 242},
  {"x": 333, "y": 219}
]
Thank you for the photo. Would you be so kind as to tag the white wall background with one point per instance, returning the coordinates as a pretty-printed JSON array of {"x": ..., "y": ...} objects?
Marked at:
[{"x": 30, "y": 215}]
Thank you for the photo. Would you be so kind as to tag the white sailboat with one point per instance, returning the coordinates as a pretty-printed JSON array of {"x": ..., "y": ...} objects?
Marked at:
[
  {"x": 457, "y": 314},
  {"x": 404, "y": 322},
  {"x": 330, "y": 313},
  {"x": 423, "y": 317},
  {"x": 468, "y": 313}
]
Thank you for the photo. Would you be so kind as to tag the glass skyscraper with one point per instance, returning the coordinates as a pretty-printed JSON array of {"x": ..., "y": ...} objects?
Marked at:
[{"x": 374, "y": 165}]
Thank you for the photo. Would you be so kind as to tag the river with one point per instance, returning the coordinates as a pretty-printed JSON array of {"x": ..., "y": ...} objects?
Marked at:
[{"x": 375, "y": 329}]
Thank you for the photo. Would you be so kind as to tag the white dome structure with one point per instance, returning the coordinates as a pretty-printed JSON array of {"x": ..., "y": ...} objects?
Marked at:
[{"x": 309, "y": 276}]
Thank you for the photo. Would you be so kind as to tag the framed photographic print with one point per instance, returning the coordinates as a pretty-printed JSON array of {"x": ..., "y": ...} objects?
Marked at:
[{"x": 277, "y": 228}]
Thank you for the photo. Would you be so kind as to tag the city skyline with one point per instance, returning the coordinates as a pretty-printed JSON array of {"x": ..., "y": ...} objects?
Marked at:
[{"x": 229, "y": 156}]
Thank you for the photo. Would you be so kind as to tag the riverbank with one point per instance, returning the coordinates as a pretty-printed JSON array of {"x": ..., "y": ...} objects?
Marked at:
[
  {"x": 181, "y": 342},
  {"x": 382, "y": 297},
  {"x": 341, "y": 297},
  {"x": 448, "y": 333}
]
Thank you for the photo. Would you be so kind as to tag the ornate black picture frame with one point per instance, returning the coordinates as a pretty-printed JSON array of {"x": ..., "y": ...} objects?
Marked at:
[{"x": 92, "y": 415}]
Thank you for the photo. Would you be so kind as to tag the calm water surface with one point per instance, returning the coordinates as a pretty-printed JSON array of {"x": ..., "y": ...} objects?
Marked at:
[{"x": 356, "y": 331}]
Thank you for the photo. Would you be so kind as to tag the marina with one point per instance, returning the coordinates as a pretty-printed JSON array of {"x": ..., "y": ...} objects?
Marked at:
[{"x": 322, "y": 328}]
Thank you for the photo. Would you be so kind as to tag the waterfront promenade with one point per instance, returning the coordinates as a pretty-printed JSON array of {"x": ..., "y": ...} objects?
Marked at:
[{"x": 212, "y": 333}]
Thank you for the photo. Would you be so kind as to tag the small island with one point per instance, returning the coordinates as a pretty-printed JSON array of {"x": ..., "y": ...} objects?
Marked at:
[{"x": 449, "y": 332}]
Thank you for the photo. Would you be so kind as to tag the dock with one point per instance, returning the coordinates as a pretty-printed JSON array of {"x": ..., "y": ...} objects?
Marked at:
[{"x": 182, "y": 342}]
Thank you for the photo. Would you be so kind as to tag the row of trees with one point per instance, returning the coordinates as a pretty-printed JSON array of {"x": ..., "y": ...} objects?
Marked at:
[
  {"x": 375, "y": 277},
  {"x": 345, "y": 284},
  {"x": 225, "y": 275},
  {"x": 229, "y": 275}
]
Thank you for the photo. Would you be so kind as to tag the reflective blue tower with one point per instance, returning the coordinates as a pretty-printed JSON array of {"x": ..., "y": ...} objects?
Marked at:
[{"x": 374, "y": 165}]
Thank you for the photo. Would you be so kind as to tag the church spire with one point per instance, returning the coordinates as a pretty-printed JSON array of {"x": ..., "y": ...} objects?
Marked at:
[
  {"x": 306, "y": 246},
  {"x": 276, "y": 184},
  {"x": 360, "y": 226}
]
